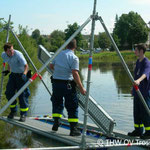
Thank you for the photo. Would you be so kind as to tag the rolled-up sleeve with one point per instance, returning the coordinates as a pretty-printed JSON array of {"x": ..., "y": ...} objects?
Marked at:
[{"x": 75, "y": 64}]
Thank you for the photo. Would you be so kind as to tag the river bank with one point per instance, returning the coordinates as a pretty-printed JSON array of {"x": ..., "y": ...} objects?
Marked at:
[{"x": 111, "y": 57}]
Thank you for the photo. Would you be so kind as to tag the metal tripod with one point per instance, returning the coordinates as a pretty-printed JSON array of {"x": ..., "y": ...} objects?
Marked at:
[{"x": 94, "y": 17}]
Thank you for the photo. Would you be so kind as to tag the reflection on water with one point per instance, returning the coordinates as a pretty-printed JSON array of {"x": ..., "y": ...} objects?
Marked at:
[{"x": 110, "y": 87}]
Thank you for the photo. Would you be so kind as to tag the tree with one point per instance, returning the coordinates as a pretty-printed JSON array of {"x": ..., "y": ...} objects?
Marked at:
[
  {"x": 23, "y": 30},
  {"x": 70, "y": 30},
  {"x": 116, "y": 19},
  {"x": 57, "y": 38},
  {"x": 36, "y": 34},
  {"x": 103, "y": 40},
  {"x": 130, "y": 29}
]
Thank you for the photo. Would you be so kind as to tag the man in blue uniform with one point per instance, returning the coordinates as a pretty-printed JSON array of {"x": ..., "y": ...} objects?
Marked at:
[
  {"x": 142, "y": 79},
  {"x": 19, "y": 68},
  {"x": 65, "y": 78}
]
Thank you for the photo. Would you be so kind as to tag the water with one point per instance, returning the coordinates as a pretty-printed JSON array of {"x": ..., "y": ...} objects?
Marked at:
[{"x": 110, "y": 87}]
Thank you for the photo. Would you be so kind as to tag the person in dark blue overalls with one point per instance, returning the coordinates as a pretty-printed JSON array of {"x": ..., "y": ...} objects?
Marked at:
[
  {"x": 17, "y": 78},
  {"x": 65, "y": 78},
  {"x": 142, "y": 79}
]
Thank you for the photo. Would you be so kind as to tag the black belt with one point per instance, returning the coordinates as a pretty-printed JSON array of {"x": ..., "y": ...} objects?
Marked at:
[
  {"x": 16, "y": 73},
  {"x": 61, "y": 81}
]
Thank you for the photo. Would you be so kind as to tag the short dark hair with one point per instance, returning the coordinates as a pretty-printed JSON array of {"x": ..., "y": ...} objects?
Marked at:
[
  {"x": 72, "y": 44},
  {"x": 7, "y": 45},
  {"x": 140, "y": 47}
]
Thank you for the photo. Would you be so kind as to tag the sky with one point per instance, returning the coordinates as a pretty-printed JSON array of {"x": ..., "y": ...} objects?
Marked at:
[{"x": 50, "y": 15}]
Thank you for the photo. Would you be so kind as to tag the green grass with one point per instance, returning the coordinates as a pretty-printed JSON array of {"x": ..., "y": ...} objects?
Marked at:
[{"x": 128, "y": 56}]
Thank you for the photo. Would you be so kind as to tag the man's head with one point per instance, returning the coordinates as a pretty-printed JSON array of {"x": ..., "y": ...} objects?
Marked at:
[
  {"x": 72, "y": 45},
  {"x": 8, "y": 48},
  {"x": 140, "y": 49}
]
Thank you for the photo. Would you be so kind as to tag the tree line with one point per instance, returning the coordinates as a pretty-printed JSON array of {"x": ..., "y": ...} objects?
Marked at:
[{"x": 129, "y": 29}]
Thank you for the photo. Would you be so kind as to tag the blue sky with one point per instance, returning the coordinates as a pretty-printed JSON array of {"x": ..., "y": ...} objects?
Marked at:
[{"x": 49, "y": 15}]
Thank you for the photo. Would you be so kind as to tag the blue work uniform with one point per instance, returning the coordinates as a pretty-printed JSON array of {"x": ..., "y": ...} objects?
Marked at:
[
  {"x": 64, "y": 88},
  {"x": 16, "y": 80},
  {"x": 141, "y": 117}
]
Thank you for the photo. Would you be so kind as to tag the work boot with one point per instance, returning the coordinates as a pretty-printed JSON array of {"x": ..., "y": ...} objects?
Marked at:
[
  {"x": 146, "y": 135},
  {"x": 22, "y": 118},
  {"x": 135, "y": 133},
  {"x": 74, "y": 131},
  {"x": 56, "y": 124},
  {"x": 11, "y": 115}
]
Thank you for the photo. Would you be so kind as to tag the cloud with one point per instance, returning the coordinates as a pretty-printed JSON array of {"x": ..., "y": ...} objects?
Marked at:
[{"x": 140, "y": 2}]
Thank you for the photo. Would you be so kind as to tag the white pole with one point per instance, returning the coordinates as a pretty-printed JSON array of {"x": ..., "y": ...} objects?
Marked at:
[
  {"x": 83, "y": 140},
  {"x": 7, "y": 38}
]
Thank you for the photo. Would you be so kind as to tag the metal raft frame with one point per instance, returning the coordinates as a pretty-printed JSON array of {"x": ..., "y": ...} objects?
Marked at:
[{"x": 98, "y": 115}]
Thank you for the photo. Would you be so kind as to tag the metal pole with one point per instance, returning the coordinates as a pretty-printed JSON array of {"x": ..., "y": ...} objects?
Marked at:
[
  {"x": 21, "y": 46},
  {"x": 83, "y": 140},
  {"x": 3, "y": 68},
  {"x": 94, "y": 146},
  {"x": 8, "y": 29},
  {"x": 125, "y": 66},
  {"x": 44, "y": 66},
  {"x": 50, "y": 148}
]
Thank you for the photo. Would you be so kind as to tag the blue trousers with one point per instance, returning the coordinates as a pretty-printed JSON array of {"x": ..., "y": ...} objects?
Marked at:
[
  {"x": 141, "y": 117},
  {"x": 14, "y": 84},
  {"x": 64, "y": 95}
]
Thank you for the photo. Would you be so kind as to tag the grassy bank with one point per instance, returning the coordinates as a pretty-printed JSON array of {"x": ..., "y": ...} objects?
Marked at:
[{"x": 111, "y": 57}]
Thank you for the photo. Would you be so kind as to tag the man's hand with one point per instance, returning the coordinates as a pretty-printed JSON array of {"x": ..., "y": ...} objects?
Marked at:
[
  {"x": 6, "y": 72},
  {"x": 24, "y": 77},
  {"x": 78, "y": 81},
  {"x": 137, "y": 82},
  {"x": 83, "y": 91}
]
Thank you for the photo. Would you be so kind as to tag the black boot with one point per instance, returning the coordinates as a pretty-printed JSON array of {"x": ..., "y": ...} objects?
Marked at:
[
  {"x": 74, "y": 131},
  {"x": 56, "y": 124},
  {"x": 135, "y": 133},
  {"x": 22, "y": 118},
  {"x": 11, "y": 115},
  {"x": 146, "y": 135}
]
